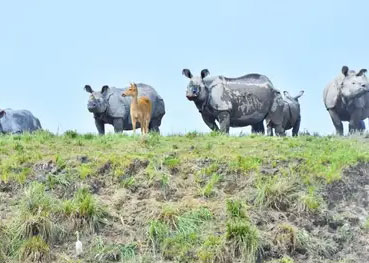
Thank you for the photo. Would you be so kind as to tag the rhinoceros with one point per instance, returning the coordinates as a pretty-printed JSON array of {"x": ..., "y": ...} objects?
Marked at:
[
  {"x": 347, "y": 99},
  {"x": 18, "y": 121},
  {"x": 235, "y": 102},
  {"x": 109, "y": 107},
  {"x": 291, "y": 114}
]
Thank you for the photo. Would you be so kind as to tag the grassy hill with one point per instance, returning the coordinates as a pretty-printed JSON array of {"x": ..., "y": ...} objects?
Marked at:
[{"x": 190, "y": 198}]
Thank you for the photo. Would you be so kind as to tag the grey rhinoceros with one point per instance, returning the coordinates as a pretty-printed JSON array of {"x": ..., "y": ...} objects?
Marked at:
[
  {"x": 347, "y": 99},
  {"x": 291, "y": 114},
  {"x": 235, "y": 102},
  {"x": 18, "y": 121},
  {"x": 109, "y": 107}
]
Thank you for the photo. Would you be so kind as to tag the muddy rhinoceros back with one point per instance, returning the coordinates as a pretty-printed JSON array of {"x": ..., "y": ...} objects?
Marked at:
[{"x": 18, "y": 121}]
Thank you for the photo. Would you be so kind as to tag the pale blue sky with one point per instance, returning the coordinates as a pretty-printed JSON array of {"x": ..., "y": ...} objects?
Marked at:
[{"x": 50, "y": 49}]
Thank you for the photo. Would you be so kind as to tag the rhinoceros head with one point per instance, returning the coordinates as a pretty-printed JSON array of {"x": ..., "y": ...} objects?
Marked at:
[
  {"x": 97, "y": 102},
  {"x": 196, "y": 89},
  {"x": 354, "y": 84}
]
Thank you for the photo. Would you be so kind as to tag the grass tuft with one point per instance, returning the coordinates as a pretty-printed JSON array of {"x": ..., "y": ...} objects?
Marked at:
[
  {"x": 35, "y": 249},
  {"x": 244, "y": 238},
  {"x": 84, "y": 210}
]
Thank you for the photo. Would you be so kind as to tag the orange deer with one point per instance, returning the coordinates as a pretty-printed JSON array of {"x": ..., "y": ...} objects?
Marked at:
[{"x": 140, "y": 109}]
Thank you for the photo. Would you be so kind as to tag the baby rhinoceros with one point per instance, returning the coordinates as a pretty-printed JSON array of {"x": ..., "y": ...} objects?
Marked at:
[{"x": 291, "y": 114}]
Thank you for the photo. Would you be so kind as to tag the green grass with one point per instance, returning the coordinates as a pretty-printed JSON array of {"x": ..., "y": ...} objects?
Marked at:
[
  {"x": 100, "y": 251},
  {"x": 208, "y": 189},
  {"x": 235, "y": 209},
  {"x": 276, "y": 192},
  {"x": 175, "y": 234},
  {"x": 84, "y": 211},
  {"x": 207, "y": 193},
  {"x": 244, "y": 238},
  {"x": 35, "y": 249}
]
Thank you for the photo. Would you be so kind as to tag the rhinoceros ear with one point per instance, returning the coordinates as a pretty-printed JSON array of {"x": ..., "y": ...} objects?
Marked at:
[
  {"x": 345, "y": 70},
  {"x": 204, "y": 73},
  {"x": 104, "y": 89},
  {"x": 361, "y": 72},
  {"x": 299, "y": 95},
  {"x": 2, "y": 113},
  {"x": 187, "y": 73},
  {"x": 88, "y": 89}
]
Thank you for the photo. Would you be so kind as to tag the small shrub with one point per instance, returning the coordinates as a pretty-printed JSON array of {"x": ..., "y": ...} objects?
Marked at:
[
  {"x": 169, "y": 215},
  {"x": 180, "y": 237},
  {"x": 286, "y": 259},
  {"x": 189, "y": 221},
  {"x": 84, "y": 210},
  {"x": 71, "y": 134},
  {"x": 112, "y": 252},
  {"x": 310, "y": 201},
  {"x": 275, "y": 192},
  {"x": 192, "y": 135},
  {"x": 211, "y": 250},
  {"x": 128, "y": 182},
  {"x": 157, "y": 232},
  {"x": 247, "y": 164},
  {"x": 36, "y": 216},
  {"x": 244, "y": 238},
  {"x": 84, "y": 171},
  {"x": 366, "y": 224},
  {"x": 285, "y": 237},
  {"x": 4, "y": 242},
  {"x": 235, "y": 209},
  {"x": 208, "y": 189},
  {"x": 150, "y": 140},
  {"x": 35, "y": 249},
  {"x": 88, "y": 136},
  {"x": 171, "y": 162}
]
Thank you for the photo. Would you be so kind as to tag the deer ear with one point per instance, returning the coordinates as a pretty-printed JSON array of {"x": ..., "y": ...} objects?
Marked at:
[
  {"x": 88, "y": 89},
  {"x": 345, "y": 70},
  {"x": 187, "y": 73}
]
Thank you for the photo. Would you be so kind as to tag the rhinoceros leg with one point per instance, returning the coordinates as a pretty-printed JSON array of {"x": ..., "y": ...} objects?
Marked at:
[
  {"x": 362, "y": 125},
  {"x": 336, "y": 122},
  {"x": 224, "y": 121},
  {"x": 270, "y": 130},
  {"x": 100, "y": 126},
  {"x": 296, "y": 127},
  {"x": 356, "y": 125},
  {"x": 258, "y": 128},
  {"x": 118, "y": 125},
  {"x": 154, "y": 125},
  {"x": 279, "y": 130},
  {"x": 210, "y": 121}
]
